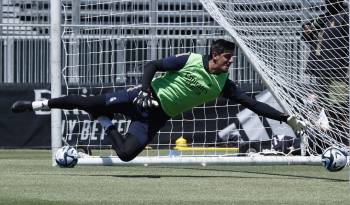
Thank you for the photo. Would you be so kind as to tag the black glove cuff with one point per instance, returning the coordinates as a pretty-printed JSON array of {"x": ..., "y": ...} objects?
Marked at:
[
  {"x": 284, "y": 118},
  {"x": 147, "y": 90}
]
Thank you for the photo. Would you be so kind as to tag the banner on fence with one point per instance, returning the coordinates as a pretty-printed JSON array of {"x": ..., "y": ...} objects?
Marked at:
[{"x": 32, "y": 129}]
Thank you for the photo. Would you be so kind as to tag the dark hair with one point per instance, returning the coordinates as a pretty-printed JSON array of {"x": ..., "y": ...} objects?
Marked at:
[{"x": 219, "y": 46}]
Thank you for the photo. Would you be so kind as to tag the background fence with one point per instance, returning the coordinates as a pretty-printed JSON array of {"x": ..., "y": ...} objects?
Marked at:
[{"x": 158, "y": 28}]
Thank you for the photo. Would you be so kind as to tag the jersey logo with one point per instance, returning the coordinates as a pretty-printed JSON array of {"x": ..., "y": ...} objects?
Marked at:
[{"x": 194, "y": 84}]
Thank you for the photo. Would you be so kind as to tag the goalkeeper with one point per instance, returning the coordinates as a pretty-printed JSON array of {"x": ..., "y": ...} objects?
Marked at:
[{"x": 190, "y": 80}]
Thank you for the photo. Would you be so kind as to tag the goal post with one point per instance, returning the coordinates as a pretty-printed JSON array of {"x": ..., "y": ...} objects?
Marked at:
[
  {"x": 107, "y": 42},
  {"x": 55, "y": 73}
]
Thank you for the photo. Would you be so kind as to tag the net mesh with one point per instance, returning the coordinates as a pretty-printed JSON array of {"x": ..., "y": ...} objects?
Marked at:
[
  {"x": 107, "y": 42},
  {"x": 301, "y": 49}
]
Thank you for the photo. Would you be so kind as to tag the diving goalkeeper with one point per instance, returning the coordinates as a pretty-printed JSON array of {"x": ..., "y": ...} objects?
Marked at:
[{"x": 190, "y": 80}]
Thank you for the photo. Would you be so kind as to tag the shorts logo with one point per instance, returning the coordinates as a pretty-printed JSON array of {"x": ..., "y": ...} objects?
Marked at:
[{"x": 112, "y": 99}]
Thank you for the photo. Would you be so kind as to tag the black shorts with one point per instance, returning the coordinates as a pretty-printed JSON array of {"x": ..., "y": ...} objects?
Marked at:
[{"x": 144, "y": 124}]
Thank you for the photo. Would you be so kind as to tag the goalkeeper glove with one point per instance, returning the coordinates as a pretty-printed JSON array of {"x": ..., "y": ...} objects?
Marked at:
[
  {"x": 145, "y": 100},
  {"x": 296, "y": 124}
]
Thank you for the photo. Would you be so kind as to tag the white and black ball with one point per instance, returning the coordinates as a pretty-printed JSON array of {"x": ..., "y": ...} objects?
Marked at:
[
  {"x": 66, "y": 157},
  {"x": 334, "y": 159}
]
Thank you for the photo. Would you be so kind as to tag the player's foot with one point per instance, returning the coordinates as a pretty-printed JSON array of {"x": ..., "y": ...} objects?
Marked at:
[
  {"x": 21, "y": 106},
  {"x": 26, "y": 106}
]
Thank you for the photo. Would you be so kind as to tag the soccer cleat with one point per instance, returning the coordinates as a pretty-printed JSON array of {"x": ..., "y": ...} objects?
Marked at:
[{"x": 21, "y": 106}]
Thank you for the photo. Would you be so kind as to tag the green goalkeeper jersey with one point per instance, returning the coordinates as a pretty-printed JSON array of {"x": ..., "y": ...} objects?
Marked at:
[{"x": 190, "y": 86}]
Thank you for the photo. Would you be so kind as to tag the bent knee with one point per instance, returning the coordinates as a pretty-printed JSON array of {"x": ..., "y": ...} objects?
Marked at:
[
  {"x": 132, "y": 147},
  {"x": 126, "y": 157}
]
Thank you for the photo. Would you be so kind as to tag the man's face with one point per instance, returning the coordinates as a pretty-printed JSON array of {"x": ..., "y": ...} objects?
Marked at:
[{"x": 223, "y": 61}]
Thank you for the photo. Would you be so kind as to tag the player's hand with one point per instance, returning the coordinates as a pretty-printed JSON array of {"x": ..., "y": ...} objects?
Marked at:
[
  {"x": 145, "y": 100},
  {"x": 296, "y": 124}
]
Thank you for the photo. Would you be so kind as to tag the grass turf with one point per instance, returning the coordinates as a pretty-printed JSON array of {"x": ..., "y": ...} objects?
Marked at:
[{"x": 27, "y": 177}]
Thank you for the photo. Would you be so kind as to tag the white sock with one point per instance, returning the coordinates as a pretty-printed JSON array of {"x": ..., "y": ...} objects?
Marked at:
[{"x": 40, "y": 105}]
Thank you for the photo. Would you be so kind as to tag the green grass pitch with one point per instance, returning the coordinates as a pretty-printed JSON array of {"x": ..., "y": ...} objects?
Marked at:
[{"x": 27, "y": 177}]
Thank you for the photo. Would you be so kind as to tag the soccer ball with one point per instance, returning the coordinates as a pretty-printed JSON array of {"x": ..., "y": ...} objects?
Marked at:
[
  {"x": 66, "y": 157},
  {"x": 334, "y": 159}
]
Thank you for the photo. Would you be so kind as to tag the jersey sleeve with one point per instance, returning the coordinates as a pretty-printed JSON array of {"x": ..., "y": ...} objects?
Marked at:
[
  {"x": 174, "y": 63},
  {"x": 171, "y": 63},
  {"x": 232, "y": 92}
]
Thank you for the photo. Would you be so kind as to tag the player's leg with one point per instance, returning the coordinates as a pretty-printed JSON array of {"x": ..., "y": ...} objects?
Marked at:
[
  {"x": 107, "y": 104},
  {"x": 128, "y": 146},
  {"x": 139, "y": 134},
  {"x": 88, "y": 104},
  {"x": 142, "y": 129}
]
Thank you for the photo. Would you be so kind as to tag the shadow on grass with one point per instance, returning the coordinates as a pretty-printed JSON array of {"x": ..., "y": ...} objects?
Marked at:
[
  {"x": 262, "y": 174},
  {"x": 154, "y": 176},
  {"x": 291, "y": 176}
]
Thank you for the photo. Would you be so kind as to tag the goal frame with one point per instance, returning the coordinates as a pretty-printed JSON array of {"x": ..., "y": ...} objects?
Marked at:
[
  {"x": 204, "y": 161},
  {"x": 56, "y": 135}
]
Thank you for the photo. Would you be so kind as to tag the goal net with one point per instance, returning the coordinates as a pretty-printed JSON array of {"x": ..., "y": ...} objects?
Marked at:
[
  {"x": 107, "y": 42},
  {"x": 301, "y": 50}
]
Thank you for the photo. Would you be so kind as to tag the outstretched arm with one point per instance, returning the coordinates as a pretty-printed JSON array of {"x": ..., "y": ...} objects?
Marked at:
[{"x": 232, "y": 92}]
